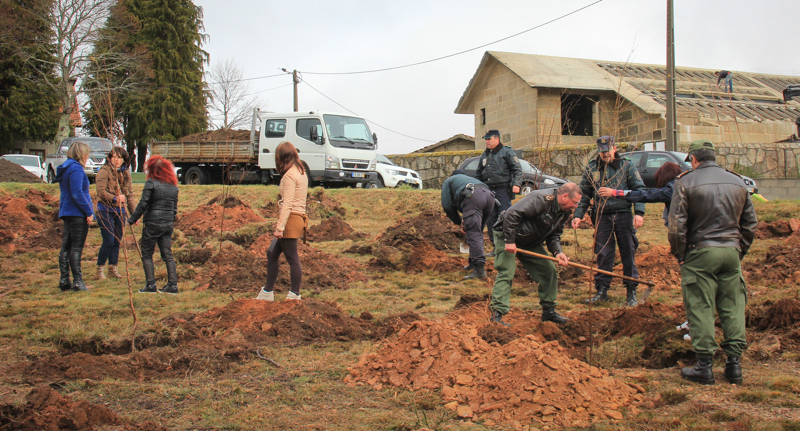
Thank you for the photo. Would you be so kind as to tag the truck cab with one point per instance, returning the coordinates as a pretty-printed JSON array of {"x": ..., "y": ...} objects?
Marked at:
[{"x": 338, "y": 148}]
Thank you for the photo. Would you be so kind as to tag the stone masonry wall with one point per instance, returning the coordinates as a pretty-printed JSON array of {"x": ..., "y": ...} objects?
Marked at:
[{"x": 767, "y": 161}]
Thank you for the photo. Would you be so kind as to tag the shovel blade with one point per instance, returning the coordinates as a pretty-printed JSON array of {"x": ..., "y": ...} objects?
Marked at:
[{"x": 463, "y": 248}]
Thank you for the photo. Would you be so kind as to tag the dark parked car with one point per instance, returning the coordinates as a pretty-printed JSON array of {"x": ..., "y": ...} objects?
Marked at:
[
  {"x": 532, "y": 177},
  {"x": 648, "y": 162}
]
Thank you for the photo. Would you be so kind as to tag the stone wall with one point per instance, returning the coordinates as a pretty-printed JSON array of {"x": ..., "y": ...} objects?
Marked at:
[{"x": 759, "y": 161}]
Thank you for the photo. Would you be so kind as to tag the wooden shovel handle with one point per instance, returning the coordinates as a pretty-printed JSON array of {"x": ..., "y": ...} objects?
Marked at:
[{"x": 578, "y": 265}]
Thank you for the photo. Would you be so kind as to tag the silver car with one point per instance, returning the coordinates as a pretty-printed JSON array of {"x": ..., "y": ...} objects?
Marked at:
[{"x": 99, "y": 149}]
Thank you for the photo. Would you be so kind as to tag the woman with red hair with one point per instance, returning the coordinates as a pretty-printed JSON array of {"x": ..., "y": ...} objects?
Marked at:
[
  {"x": 159, "y": 204},
  {"x": 292, "y": 222}
]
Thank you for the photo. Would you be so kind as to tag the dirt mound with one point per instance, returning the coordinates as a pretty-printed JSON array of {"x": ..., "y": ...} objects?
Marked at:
[
  {"x": 777, "y": 229},
  {"x": 208, "y": 219},
  {"x": 423, "y": 256},
  {"x": 320, "y": 206},
  {"x": 779, "y": 265},
  {"x": 226, "y": 201},
  {"x": 659, "y": 266},
  {"x": 219, "y": 135},
  {"x": 524, "y": 380},
  {"x": 47, "y": 410},
  {"x": 29, "y": 220},
  {"x": 333, "y": 229},
  {"x": 431, "y": 226},
  {"x": 784, "y": 313},
  {"x": 14, "y": 173}
]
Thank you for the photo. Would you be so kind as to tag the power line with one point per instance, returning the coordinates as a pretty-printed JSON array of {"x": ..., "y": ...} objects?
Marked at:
[
  {"x": 367, "y": 120},
  {"x": 460, "y": 52}
]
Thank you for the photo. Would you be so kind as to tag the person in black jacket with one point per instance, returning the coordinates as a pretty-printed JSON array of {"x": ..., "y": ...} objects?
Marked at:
[
  {"x": 536, "y": 219},
  {"x": 473, "y": 198},
  {"x": 499, "y": 169},
  {"x": 159, "y": 205}
]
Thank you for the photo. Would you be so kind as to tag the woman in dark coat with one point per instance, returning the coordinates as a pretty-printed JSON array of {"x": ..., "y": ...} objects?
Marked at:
[
  {"x": 158, "y": 205},
  {"x": 75, "y": 209}
]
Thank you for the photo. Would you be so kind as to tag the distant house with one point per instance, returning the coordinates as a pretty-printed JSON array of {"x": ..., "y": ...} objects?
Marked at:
[
  {"x": 455, "y": 143},
  {"x": 538, "y": 101}
]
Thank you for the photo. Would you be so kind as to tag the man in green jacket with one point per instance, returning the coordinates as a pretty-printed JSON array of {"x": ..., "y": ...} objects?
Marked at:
[
  {"x": 712, "y": 224},
  {"x": 536, "y": 219},
  {"x": 612, "y": 217}
]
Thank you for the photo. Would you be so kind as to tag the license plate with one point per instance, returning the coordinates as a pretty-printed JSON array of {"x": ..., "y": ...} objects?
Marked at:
[{"x": 357, "y": 175}]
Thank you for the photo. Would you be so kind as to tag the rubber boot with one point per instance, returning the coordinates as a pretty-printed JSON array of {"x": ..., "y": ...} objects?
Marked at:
[
  {"x": 498, "y": 318},
  {"x": 700, "y": 373},
  {"x": 733, "y": 370},
  {"x": 63, "y": 266},
  {"x": 101, "y": 272},
  {"x": 601, "y": 295},
  {"x": 113, "y": 271},
  {"x": 550, "y": 315},
  {"x": 477, "y": 272},
  {"x": 630, "y": 299},
  {"x": 77, "y": 275}
]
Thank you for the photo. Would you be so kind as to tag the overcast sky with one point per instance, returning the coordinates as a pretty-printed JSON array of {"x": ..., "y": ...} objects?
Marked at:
[{"x": 322, "y": 36}]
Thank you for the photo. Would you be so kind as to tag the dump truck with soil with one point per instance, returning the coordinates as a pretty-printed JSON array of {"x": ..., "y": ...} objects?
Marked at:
[{"x": 337, "y": 150}]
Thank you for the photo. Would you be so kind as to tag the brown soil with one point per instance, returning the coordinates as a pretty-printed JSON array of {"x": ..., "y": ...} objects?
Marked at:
[
  {"x": 319, "y": 206},
  {"x": 29, "y": 220},
  {"x": 47, "y": 410},
  {"x": 777, "y": 229},
  {"x": 218, "y": 136},
  {"x": 14, "y": 173},
  {"x": 659, "y": 266},
  {"x": 526, "y": 380},
  {"x": 779, "y": 265},
  {"x": 431, "y": 226},
  {"x": 208, "y": 219},
  {"x": 333, "y": 229}
]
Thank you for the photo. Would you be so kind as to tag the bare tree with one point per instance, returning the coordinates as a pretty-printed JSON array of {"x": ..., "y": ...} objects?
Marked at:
[{"x": 230, "y": 103}]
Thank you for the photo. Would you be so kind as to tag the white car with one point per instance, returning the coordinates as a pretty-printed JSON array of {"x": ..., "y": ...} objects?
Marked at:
[
  {"x": 391, "y": 175},
  {"x": 30, "y": 162}
]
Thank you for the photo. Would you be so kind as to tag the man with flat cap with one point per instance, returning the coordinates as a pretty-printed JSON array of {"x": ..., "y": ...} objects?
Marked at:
[
  {"x": 462, "y": 193},
  {"x": 499, "y": 169},
  {"x": 613, "y": 218},
  {"x": 712, "y": 224}
]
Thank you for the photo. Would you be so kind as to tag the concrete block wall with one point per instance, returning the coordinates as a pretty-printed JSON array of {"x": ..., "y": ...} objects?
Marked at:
[{"x": 787, "y": 189}]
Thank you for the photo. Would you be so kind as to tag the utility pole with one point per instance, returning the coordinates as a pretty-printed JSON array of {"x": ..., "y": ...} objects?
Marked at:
[
  {"x": 296, "y": 81},
  {"x": 672, "y": 132}
]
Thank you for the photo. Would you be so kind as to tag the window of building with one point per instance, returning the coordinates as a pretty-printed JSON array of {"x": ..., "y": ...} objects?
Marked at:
[
  {"x": 483, "y": 116},
  {"x": 39, "y": 153},
  {"x": 576, "y": 115}
]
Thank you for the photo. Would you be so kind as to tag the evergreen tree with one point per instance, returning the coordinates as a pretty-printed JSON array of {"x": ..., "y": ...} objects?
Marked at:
[{"x": 28, "y": 109}]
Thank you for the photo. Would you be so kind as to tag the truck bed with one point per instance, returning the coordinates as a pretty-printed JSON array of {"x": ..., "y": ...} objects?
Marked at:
[{"x": 206, "y": 151}]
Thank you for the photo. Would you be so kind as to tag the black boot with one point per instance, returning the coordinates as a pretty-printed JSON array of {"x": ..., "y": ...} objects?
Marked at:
[
  {"x": 700, "y": 373},
  {"x": 630, "y": 300},
  {"x": 550, "y": 315},
  {"x": 477, "y": 272},
  {"x": 498, "y": 318},
  {"x": 172, "y": 278},
  {"x": 733, "y": 370},
  {"x": 149, "y": 288},
  {"x": 601, "y": 295},
  {"x": 63, "y": 265},
  {"x": 77, "y": 276},
  {"x": 467, "y": 267}
]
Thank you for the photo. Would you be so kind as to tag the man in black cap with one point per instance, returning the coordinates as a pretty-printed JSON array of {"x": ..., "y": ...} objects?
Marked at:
[
  {"x": 612, "y": 217},
  {"x": 499, "y": 169},
  {"x": 712, "y": 224},
  {"x": 462, "y": 193}
]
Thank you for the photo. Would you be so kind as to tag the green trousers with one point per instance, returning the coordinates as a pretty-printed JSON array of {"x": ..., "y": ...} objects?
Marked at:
[
  {"x": 711, "y": 279},
  {"x": 542, "y": 271}
]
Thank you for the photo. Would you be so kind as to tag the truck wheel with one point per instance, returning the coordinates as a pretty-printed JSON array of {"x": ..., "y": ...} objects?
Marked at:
[
  {"x": 196, "y": 176},
  {"x": 377, "y": 184}
]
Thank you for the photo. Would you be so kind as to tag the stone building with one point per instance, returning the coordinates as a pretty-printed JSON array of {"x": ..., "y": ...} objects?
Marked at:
[
  {"x": 458, "y": 142},
  {"x": 540, "y": 101}
]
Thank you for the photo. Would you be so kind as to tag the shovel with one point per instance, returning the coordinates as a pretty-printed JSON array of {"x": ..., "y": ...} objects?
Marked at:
[
  {"x": 578, "y": 265},
  {"x": 463, "y": 248}
]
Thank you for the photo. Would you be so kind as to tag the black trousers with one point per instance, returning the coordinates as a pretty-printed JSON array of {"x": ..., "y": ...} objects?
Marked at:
[
  {"x": 160, "y": 234},
  {"x": 503, "y": 195},
  {"x": 476, "y": 210},
  {"x": 289, "y": 249},
  {"x": 613, "y": 229},
  {"x": 73, "y": 239}
]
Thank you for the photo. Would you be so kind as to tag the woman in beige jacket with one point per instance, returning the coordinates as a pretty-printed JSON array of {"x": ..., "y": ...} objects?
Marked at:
[
  {"x": 113, "y": 197},
  {"x": 292, "y": 221}
]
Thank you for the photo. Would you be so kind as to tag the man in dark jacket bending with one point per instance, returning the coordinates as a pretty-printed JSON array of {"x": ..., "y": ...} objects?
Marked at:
[
  {"x": 612, "y": 217},
  {"x": 712, "y": 224},
  {"x": 462, "y": 193},
  {"x": 536, "y": 219},
  {"x": 499, "y": 169}
]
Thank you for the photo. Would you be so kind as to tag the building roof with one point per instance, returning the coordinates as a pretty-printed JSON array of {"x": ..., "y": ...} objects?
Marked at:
[
  {"x": 430, "y": 148},
  {"x": 756, "y": 96}
]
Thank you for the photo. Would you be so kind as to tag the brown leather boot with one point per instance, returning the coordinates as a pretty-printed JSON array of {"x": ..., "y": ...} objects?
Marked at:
[
  {"x": 113, "y": 271},
  {"x": 101, "y": 272}
]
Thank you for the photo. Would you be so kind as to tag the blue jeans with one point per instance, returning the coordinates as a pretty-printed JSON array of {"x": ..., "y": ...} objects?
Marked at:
[
  {"x": 110, "y": 224},
  {"x": 729, "y": 83}
]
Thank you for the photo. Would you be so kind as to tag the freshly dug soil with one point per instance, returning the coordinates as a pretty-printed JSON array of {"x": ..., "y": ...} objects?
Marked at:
[
  {"x": 431, "y": 226},
  {"x": 333, "y": 229},
  {"x": 14, "y": 173},
  {"x": 219, "y": 215},
  {"x": 29, "y": 220},
  {"x": 217, "y": 136}
]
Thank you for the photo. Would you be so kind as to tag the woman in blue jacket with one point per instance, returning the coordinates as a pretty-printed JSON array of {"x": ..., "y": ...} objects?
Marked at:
[
  {"x": 75, "y": 210},
  {"x": 665, "y": 180}
]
